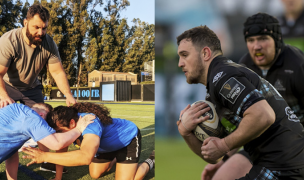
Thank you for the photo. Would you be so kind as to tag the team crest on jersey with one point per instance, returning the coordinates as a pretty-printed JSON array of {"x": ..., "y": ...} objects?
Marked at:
[
  {"x": 279, "y": 85},
  {"x": 217, "y": 76},
  {"x": 291, "y": 115},
  {"x": 227, "y": 86},
  {"x": 232, "y": 89}
]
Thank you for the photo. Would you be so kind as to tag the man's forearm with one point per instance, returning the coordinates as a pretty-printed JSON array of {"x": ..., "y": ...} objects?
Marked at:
[
  {"x": 194, "y": 144},
  {"x": 66, "y": 138},
  {"x": 252, "y": 125},
  {"x": 3, "y": 92},
  {"x": 59, "y": 168},
  {"x": 72, "y": 158},
  {"x": 60, "y": 140},
  {"x": 62, "y": 83}
]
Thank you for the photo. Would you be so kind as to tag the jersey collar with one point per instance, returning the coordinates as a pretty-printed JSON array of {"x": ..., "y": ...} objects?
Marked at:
[{"x": 213, "y": 63}]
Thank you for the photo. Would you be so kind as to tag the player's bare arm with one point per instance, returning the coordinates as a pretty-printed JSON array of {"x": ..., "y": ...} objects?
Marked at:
[
  {"x": 12, "y": 166},
  {"x": 84, "y": 156},
  {"x": 256, "y": 120},
  {"x": 61, "y": 80},
  {"x": 190, "y": 117},
  {"x": 59, "y": 168},
  {"x": 4, "y": 98},
  {"x": 60, "y": 140}
]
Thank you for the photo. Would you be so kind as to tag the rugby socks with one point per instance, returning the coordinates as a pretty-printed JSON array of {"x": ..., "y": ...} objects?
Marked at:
[{"x": 151, "y": 160}]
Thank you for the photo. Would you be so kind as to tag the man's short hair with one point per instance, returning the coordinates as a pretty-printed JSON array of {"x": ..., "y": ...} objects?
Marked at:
[
  {"x": 46, "y": 106},
  {"x": 201, "y": 36},
  {"x": 40, "y": 10}
]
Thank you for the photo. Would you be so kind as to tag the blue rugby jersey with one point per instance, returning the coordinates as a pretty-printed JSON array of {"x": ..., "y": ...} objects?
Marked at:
[
  {"x": 19, "y": 123},
  {"x": 114, "y": 136}
]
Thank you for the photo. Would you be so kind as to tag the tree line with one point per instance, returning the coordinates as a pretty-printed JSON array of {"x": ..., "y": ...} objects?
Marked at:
[{"x": 88, "y": 39}]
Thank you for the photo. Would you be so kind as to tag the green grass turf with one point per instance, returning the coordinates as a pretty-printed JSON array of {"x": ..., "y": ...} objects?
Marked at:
[
  {"x": 175, "y": 160},
  {"x": 141, "y": 115}
]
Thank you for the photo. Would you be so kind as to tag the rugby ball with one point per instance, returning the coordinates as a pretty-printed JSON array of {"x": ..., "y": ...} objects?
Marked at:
[{"x": 211, "y": 127}]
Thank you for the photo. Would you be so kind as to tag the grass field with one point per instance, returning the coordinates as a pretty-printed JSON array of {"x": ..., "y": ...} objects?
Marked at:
[
  {"x": 175, "y": 160},
  {"x": 139, "y": 113}
]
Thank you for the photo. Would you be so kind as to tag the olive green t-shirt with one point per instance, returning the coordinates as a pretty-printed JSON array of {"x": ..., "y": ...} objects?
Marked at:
[{"x": 24, "y": 62}]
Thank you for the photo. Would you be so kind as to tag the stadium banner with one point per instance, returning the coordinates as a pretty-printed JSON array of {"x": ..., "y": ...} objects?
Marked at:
[
  {"x": 90, "y": 93},
  {"x": 110, "y": 91}
]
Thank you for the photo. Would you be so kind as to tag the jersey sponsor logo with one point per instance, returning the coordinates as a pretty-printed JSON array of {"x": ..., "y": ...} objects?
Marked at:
[
  {"x": 233, "y": 93},
  {"x": 128, "y": 158},
  {"x": 291, "y": 115},
  {"x": 279, "y": 85},
  {"x": 217, "y": 76},
  {"x": 288, "y": 71}
]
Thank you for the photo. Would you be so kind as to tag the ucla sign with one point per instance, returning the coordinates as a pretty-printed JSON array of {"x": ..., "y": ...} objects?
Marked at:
[
  {"x": 107, "y": 91},
  {"x": 82, "y": 94},
  {"x": 86, "y": 93}
]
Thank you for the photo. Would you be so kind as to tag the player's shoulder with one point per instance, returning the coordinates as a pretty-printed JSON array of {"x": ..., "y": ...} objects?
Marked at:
[
  {"x": 49, "y": 38},
  {"x": 224, "y": 70},
  {"x": 19, "y": 106},
  {"x": 11, "y": 36},
  {"x": 49, "y": 43},
  {"x": 292, "y": 55}
]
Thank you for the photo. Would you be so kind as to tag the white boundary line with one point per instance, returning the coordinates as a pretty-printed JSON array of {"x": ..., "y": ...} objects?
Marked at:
[{"x": 147, "y": 129}]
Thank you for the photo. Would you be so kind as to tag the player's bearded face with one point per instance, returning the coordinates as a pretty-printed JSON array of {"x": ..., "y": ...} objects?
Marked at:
[
  {"x": 197, "y": 72},
  {"x": 34, "y": 38}
]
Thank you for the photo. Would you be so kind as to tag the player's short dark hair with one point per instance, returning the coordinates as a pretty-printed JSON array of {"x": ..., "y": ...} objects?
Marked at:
[
  {"x": 40, "y": 10},
  {"x": 201, "y": 36}
]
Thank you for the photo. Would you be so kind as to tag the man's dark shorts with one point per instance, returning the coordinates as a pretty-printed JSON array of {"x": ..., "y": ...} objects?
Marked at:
[
  {"x": 29, "y": 97},
  {"x": 129, "y": 154}
]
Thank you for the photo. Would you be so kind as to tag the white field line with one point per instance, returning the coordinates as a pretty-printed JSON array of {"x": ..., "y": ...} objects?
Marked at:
[{"x": 147, "y": 129}]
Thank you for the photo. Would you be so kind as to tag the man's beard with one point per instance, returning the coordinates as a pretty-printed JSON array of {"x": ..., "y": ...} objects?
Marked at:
[
  {"x": 197, "y": 74},
  {"x": 32, "y": 39}
]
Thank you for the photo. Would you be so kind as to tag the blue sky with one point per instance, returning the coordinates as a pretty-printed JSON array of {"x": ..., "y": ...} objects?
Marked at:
[{"x": 142, "y": 9}]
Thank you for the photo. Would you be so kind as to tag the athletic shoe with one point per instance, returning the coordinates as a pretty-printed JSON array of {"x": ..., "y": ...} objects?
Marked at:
[{"x": 51, "y": 167}]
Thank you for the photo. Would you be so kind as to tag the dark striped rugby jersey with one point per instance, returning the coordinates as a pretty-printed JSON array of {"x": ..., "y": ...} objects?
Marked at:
[
  {"x": 286, "y": 75},
  {"x": 233, "y": 89}
]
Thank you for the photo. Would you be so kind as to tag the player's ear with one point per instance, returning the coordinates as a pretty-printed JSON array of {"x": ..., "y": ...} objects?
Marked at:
[
  {"x": 206, "y": 53},
  {"x": 25, "y": 22},
  {"x": 72, "y": 124}
]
